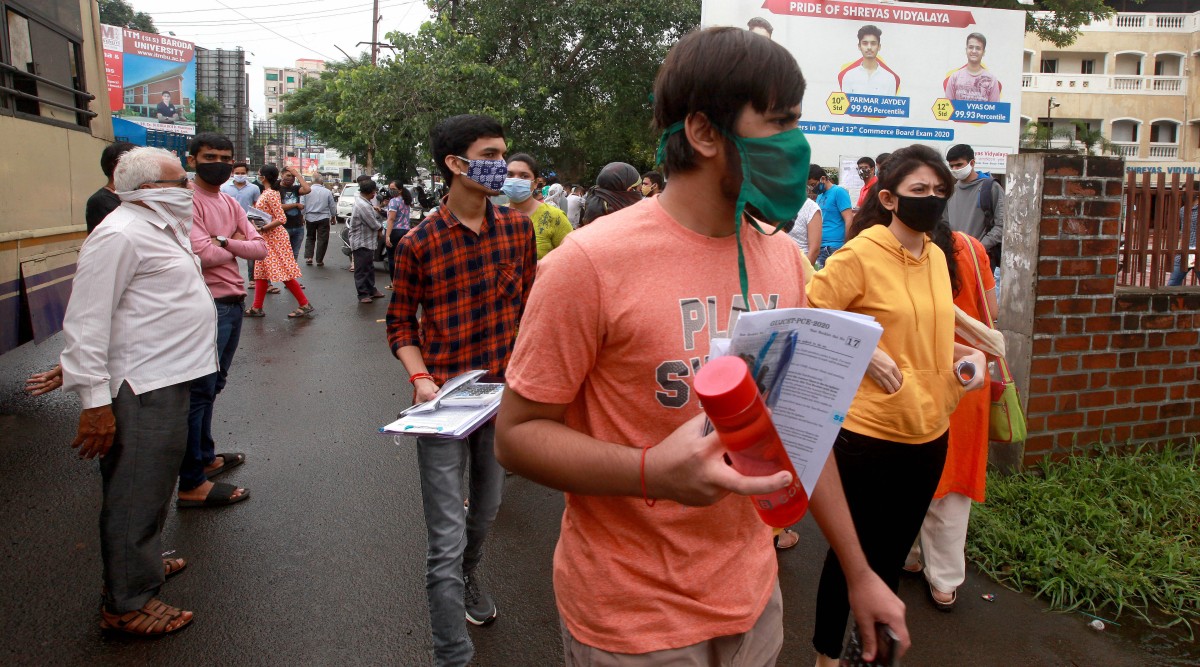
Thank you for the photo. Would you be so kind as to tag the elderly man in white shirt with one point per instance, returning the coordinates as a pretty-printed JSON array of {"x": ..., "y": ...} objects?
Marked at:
[{"x": 140, "y": 326}]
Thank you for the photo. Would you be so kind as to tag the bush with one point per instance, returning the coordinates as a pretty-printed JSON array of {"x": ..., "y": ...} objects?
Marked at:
[{"x": 1104, "y": 534}]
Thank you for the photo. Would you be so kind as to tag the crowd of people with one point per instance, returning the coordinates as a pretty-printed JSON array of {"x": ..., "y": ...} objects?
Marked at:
[{"x": 661, "y": 557}]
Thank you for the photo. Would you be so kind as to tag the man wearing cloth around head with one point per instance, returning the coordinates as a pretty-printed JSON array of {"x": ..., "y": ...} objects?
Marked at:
[
  {"x": 139, "y": 328},
  {"x": 662, "y": 559},
  {"x": 468, "y": 268}
]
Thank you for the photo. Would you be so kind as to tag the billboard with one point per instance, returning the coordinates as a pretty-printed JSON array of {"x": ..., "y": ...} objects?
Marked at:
[
  {"x": 151, "y": 79},
  {"x": 882, "y": 76}
]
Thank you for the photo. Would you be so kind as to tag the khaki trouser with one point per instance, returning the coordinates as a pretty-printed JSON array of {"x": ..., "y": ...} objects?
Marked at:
[
  {"x": 757, "y": 647},
  {"x": 943, "y": 538}
]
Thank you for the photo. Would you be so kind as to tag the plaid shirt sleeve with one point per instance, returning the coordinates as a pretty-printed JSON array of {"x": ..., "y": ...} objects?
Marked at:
[{"x": 402, "y": 327}]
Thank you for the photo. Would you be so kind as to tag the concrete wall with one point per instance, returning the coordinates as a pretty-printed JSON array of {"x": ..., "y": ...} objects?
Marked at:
[{"x": 1095, "y": 363}]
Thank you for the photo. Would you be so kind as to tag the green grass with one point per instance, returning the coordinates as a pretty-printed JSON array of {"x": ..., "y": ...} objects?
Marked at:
[{"x": 1105, "y": 535}]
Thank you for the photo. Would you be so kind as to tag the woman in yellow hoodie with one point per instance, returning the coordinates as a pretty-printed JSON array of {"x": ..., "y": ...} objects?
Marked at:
[{"x": 892, "y": 448}]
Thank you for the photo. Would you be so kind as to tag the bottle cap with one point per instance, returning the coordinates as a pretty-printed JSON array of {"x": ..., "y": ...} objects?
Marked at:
[{"x": 725, "y": 387}]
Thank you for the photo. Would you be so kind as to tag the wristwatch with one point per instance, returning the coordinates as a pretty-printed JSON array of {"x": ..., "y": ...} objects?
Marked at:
[{"x": 222, "y": 241}]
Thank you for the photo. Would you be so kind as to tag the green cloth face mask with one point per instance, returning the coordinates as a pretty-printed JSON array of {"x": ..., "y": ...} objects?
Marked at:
[{"x": 774, "y": 182}]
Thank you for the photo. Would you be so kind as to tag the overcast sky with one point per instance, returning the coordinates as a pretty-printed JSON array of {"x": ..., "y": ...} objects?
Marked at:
[{"x": 306, "y": 29}]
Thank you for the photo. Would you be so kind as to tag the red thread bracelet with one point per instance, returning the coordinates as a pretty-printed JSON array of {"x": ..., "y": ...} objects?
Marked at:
[
  {"x": 420, "y": 376},
  {"x": 645, "y": 496}
]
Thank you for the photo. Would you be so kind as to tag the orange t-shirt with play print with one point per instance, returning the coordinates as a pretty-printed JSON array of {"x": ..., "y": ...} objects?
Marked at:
[{"x": 618, "y": 323}]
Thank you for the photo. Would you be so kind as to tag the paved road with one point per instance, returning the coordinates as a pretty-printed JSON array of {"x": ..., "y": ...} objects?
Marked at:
[{"x": 324, "y": 564}]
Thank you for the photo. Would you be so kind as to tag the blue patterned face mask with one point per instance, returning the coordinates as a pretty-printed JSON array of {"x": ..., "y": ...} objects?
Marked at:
[{"x": 488, "y": 173}]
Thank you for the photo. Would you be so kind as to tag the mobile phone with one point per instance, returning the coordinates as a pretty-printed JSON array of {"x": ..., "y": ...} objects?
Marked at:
[{"x": 885, "y": 649}]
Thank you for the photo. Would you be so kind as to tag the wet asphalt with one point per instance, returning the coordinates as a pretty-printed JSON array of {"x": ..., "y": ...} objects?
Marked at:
[{"x": 324, "y": 563}]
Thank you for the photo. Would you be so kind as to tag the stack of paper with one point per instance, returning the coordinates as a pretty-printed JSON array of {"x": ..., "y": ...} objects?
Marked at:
[
  {"x": 823, "y": 354},
  {"x": 433, "y": 418}
]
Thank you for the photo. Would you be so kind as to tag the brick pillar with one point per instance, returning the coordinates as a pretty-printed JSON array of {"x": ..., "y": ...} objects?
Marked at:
[{"x": 1056, "y": 306}]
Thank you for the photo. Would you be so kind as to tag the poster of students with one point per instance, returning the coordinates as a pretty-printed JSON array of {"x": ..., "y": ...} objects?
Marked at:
[
  {"x": 882, "y": 76},
  {"x": 151, "y": 79}
]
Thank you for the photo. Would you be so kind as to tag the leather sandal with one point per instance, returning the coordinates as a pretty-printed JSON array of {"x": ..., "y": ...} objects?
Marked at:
[
  {"x": 154, "y": 619},
  {"x": 173, "y": 566},
  {"x": 792, "y": 539}
]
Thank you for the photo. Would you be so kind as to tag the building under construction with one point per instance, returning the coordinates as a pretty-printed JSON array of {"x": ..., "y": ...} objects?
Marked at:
[{"x": 221, "y": 76}]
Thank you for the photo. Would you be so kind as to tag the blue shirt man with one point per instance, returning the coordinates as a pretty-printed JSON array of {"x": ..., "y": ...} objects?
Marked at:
[
  {"x": 835, "y": 212},
  {"x": 240, "y": 188}
]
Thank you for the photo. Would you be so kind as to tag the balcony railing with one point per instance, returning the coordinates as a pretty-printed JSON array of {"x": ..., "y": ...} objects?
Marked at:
[
  {"x": 1164, "y": 151},
  {"x": 1104, "y": 83},
  {"x": 1146, "y": 22},
  {"x": 1125, "y": 148}
]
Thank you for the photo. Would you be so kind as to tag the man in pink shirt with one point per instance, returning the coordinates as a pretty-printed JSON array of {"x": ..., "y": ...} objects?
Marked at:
[
  {"x": 220, "y": 235},
  {"x": 972, "y": 82}
]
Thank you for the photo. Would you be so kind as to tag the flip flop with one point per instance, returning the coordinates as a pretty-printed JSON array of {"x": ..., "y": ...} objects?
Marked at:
[
  {"x": 943, "y": 606},
  {"x": 220, "y": 495},
  {"x": 272, "y": 290},
  {"x": 230, "y": 460}
]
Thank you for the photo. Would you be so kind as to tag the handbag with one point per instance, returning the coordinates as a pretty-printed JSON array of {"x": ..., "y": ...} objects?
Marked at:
[{"x": 1006, "y": 420}]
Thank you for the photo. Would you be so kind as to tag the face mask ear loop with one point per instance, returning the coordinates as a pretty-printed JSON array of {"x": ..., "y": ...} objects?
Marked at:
[
  {"x": 660, "y": 157},
  {"x": 738, "y": 216}
]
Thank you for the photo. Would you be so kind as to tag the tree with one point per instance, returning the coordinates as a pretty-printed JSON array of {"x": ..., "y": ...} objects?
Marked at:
[
  {"x": 121, "y": 13},
  {"x": 1056, "y": 21},
  {"x": 208, "y": 111}
]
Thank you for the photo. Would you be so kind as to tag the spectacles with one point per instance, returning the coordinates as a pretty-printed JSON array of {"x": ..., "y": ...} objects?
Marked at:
[{"x": 179, "y": 183}]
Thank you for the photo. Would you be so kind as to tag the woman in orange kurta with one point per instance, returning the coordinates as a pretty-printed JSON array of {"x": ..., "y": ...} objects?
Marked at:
[
  {"x": 280, "y": 264},
  {"x": 939, "y": 551}
]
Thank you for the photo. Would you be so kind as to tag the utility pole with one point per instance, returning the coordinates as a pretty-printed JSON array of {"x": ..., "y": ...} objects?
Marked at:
[{"x": 374, "y": 32}]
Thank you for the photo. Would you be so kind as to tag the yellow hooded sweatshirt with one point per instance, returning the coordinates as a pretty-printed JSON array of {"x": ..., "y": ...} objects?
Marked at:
[{"x": 911, "y": 298}]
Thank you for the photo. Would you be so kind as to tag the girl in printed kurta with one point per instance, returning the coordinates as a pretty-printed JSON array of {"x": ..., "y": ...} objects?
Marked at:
[
  {"x": 280, "y": 264},
  {"x": 944, "y": 533}
]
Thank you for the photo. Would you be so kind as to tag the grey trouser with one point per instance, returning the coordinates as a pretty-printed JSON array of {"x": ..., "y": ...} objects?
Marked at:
[
  {"x": 456, "y": 533},
  {"x": 139, "y": 475}
]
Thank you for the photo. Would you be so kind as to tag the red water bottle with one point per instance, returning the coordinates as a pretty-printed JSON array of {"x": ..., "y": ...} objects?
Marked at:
[{"x": 730, "y": 397}]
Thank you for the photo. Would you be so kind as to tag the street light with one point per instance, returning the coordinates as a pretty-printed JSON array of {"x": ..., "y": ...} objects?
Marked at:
[{"x": 1051, "y": 104}]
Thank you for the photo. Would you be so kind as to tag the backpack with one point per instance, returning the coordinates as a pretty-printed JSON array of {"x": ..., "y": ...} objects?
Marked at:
[{"x": 989, "y": 214}]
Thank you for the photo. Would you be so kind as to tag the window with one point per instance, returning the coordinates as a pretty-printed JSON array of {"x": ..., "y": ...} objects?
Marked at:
[
  {"x": 270, "y": 109},
  {"x": 1087, "y": 67},
  {"x": 1158, "y": 67},
  {"x": 1163, "y": 132},
  {"x": 42, "y": 45},
  {"x": 291, "y": 79},
  {"x": 272, "y": 76},
  {"x": 1049, "y": 66},
  {"x": 270, "y": 89}
]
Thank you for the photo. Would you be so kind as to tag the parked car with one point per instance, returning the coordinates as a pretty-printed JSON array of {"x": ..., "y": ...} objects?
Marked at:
[{"x": 345, "y": 202}]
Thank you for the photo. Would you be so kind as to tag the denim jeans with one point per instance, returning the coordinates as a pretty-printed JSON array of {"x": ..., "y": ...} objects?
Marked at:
[
  {"x": 296, "y": 236},
  {"x": 455, "y": 533},
  {"x": 201, "y": 449},
  {"x": 389, "y": 254},
  {"x": 826, "y": 251},
  {"x": 1178, "y": 273}
]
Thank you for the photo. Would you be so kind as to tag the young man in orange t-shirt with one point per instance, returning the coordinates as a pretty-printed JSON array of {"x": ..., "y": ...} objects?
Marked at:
[{"x": 600, "y": 405}]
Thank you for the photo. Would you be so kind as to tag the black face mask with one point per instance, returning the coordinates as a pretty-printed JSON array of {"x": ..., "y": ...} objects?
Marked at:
[
  {"x": 214, "y": 173},
  {"x": 920, "y": 214}
]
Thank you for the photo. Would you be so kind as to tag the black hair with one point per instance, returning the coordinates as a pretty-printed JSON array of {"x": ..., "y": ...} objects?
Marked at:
[
  {"x": 816, "y": 173},
  {"x": 960, "y": 152},
  {"x": 881, "y": 158},
  {"x": 870, "y": 30},
  {"x": 111, "y": 154},
  {"x": 213, "y": 140},
  {"x": 527, "y": 159},
  {"x": 367, "y": 187},
  {"x": 718, "y": 72},
  {"x": 270, "y": 174},
  {"x": 242, "y": 165},
  {"x": 869, "y": 161},
  {"x": 902, "y": 163},
  {"x": 165, "y": 92},
  {"x": 943, "y": 238},
  {"x": 759, "y": 22},
  {"x": 405, "y": 195},
  {"x": 977, "y": 36},
  {"x": 454, "y": 135},
  {"x": 655, "y": 178}
]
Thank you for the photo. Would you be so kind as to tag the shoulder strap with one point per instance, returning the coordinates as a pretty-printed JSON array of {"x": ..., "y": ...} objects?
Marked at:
[{"x": 978, "y": 280}]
